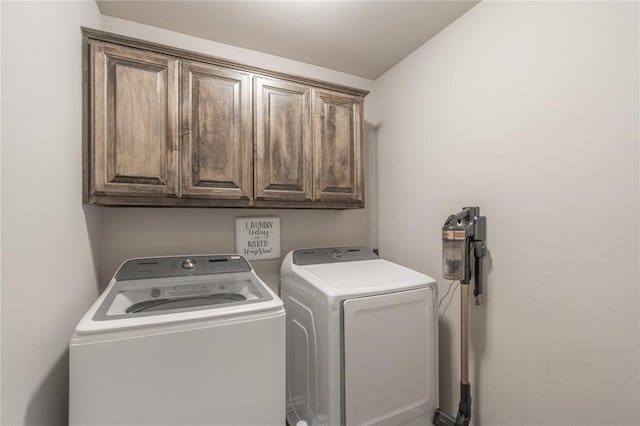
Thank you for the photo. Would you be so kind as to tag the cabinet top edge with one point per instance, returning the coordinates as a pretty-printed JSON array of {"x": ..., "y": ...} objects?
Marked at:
[{"x": 99, "y": 35}]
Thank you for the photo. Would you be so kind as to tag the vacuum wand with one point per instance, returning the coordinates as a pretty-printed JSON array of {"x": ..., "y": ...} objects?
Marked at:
[{"x": 463, "y": 235}]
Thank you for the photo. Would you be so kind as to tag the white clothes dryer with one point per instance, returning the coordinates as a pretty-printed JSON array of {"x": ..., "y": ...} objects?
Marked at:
[
  {"x": 180, "y": 341},
  {"x": 362, "y": 339}
]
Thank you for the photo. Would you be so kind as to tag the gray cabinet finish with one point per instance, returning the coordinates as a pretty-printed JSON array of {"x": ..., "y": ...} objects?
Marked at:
[{"x": 169, "y": 127}]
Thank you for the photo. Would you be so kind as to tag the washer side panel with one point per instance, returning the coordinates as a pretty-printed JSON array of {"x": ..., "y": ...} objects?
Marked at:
[{"x": 192, "y": 377}]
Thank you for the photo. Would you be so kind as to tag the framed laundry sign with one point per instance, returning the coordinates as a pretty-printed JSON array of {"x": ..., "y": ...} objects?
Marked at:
[{"x": 258, "y": 238}]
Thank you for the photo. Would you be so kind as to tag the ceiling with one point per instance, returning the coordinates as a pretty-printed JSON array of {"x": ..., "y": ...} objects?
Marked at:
[{"x": 363, "y": 38}]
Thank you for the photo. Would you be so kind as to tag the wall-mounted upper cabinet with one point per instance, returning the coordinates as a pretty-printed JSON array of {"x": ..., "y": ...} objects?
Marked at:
[
  {"x": 133, "y": 129},
  {"x": 215, "y": 132},
  {"x": 167, "y": 127},
  {"x": 283, "y": 169},
  {"x": 337, "y": 128}
]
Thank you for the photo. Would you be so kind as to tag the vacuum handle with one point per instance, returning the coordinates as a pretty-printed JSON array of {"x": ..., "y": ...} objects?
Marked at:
[{"x": 480, "y": 250}]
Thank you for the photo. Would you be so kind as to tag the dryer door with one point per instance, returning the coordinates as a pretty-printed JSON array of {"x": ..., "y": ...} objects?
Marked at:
[{"x": 390, "y": 354}]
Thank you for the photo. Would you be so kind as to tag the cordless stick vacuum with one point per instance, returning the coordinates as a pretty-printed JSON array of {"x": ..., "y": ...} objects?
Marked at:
[{"x": 463, "y": 235}]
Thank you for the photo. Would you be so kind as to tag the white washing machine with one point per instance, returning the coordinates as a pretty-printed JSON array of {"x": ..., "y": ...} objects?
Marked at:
[
  {"x": 194, "y": 340},
  {"x": 362, "y": 339}
]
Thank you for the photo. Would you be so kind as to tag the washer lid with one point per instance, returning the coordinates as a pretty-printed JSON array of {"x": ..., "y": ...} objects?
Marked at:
[
  {"x": 159, "y": 291},
  {"x": 161, "y": 296},
  {"x": 342, "y": 280}
]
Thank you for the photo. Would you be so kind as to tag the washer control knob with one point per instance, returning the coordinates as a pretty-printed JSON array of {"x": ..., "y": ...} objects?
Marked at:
[
  {"x": 188, "y": 264},
  {"x": 336, "y": 254}
]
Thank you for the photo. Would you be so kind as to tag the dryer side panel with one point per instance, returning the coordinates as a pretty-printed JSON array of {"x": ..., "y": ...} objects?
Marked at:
[
  {"x": 313, "y": 358},
  {"x": 302, "y": 352},
  {"x": 389, "y": 358}
]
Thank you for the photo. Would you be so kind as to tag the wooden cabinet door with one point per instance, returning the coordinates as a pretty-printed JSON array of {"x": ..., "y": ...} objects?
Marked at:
[
  {"x": 337, "y": 153},
  {"x": 282, "y": 169},
  {"x": 133, "y": 122},
  {"x": 216, "y": 132}
]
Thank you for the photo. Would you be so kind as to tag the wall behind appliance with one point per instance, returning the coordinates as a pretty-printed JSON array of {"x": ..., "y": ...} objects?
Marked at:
[
  {"x": 133, "y": 232},
  {"x": 529, "y": 110},
  {"x": 48, "y": 275}
]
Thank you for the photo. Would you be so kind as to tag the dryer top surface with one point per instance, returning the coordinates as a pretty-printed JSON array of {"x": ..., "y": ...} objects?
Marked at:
[
  {"x": 365, "y": 273},
  {"x": 342, "y": 280}
]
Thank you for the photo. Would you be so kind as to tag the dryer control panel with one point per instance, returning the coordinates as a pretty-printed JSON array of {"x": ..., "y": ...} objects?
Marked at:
[{"x": 332, "y": 254}]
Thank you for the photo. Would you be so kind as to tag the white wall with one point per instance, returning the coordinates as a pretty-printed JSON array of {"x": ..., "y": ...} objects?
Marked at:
[
  {"x": 131, "y": 232},
  {"x": 0, "y": 215},
  {"x": 246, "y": 56},
  {"x": 529, "y": 110},
  {"x": 48, "y": 275}
]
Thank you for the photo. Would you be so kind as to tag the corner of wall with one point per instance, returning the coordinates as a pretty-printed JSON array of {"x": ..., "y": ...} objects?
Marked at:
[{"x": 1, "y": 364}]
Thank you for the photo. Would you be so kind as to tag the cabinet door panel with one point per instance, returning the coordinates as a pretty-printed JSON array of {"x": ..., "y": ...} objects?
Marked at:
[
  {"x": 337, "y": 127},
  {"x": 133, "y": 123},
  {"x": 216, "y": 132},
  {"x": 283, "y": 141}
]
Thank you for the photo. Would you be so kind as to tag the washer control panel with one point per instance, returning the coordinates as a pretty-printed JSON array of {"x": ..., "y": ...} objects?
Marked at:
[
  {"x": 180, "y": 266},
  {"x": 332, "y": 255}
]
